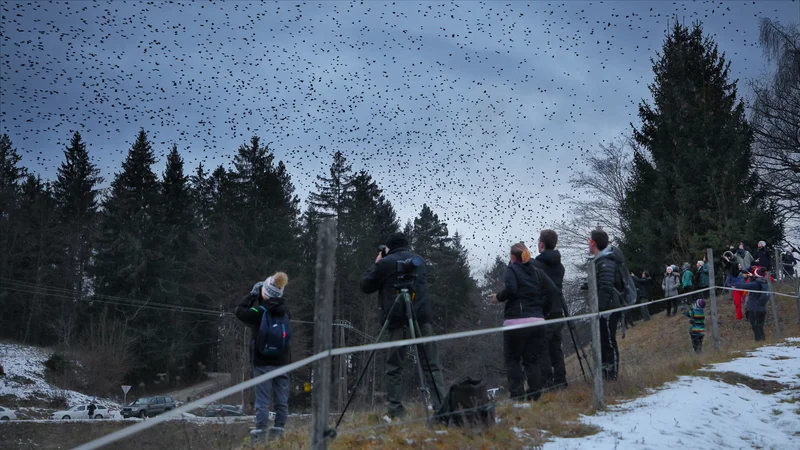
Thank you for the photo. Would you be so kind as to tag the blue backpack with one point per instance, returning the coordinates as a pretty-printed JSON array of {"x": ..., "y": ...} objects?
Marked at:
[{"x": 273, "y": 334}]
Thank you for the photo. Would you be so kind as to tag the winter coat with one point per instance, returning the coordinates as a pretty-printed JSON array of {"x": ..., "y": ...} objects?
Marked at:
[
  {"x": 687, "y": 276},
  {"x": 608, "y": 286},
  {"x": 528, "y": 292},
  {"x": 756, "y": 301},
  {"x": 697, "y": 320},
  {"x": 383, "y": 277},
  {"x": 763, "y": 259},
  {"x": 746, "y": 259},
  {"x": 670, "y": 284},
  {"x": 249, "y": 313},
  {"x": 549, "y": 261},
  {"x": 643, "y": 287},
  {"x": 702, "y": 276},
  {"x": 732, "y": 265}
]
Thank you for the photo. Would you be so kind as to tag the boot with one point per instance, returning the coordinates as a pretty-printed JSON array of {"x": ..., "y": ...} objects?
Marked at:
[{"x": 275, "y": 433}]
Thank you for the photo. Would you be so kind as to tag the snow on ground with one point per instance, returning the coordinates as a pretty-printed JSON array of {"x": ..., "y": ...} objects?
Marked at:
[
  {"x": 24, "y": 379},
  {"x": 696, "y": 411}
]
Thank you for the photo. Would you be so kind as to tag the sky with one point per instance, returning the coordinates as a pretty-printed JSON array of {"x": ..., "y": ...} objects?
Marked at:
[{"x": 481, "y": 110}]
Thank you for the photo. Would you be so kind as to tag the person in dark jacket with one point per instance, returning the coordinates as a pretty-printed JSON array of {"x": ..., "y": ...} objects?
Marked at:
[
  {"x": 529, "y": 296},
  {"x": 789, "y": 261},
  {"x": 703, "y": 280},
  {"x": 382, "y": 279},
  {"x": 267, "y": 295},
  {"x": 763, "y": 258},
  {"x": 643, "y": 287},
  {"x": 606, "y": 260},
  {"x": 757, "y": 301},
  {"x": 551, "y": 364}
]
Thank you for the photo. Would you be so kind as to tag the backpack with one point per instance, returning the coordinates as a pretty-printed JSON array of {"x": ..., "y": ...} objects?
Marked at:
[
  {"x": 627, "y": 296},
  {"x": 273, "y": 334},
  {"x": 467, "y": 404}
]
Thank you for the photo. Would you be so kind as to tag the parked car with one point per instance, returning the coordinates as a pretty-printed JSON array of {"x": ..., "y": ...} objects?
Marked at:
[
  {"x": 223, "y": 411},
  {"x": 149, "y": 406},
  {"x": 7, "y": 414},
  {"x": 82, "y": 412}
]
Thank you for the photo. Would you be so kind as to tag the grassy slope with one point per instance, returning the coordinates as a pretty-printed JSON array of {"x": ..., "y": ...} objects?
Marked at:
[{"x": 652, "y": 354}]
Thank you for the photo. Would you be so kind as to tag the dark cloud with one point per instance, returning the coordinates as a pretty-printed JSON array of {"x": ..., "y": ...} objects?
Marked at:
[{"x": 480, "y": 109}]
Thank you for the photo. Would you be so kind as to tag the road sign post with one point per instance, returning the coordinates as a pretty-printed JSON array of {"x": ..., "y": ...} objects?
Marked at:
[{"x": 125, "y": 390}]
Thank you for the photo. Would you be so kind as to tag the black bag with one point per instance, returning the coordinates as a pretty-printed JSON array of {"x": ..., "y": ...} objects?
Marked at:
[{"x": 467, "y": 404}]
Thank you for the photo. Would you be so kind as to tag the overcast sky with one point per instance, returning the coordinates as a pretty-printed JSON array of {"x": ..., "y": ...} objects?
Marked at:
[{"x": 480, "y": 109}]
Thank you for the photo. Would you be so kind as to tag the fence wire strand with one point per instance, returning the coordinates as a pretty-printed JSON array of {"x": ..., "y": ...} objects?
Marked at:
[{"x": 133, "y": 429}]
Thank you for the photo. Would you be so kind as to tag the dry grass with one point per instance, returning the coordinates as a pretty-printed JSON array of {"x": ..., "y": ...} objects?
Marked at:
[{"x": 653, "y": 353}]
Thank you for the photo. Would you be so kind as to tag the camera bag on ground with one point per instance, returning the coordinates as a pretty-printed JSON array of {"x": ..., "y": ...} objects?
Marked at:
[
  {"x": 273, "y": 334},
  {"x": 467, "y": 404}
]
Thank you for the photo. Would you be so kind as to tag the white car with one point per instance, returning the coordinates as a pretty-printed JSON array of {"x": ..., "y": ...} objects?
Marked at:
[
  {"x": 7, "y": 414},
  {"x": 82, "y": 412}
]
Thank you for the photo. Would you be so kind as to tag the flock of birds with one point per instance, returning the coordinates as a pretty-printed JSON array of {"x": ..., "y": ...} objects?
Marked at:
[{"x": 479, "y": 109}]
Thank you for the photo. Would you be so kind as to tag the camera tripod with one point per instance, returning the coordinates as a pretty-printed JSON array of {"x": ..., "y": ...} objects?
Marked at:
[{"x": 403, "y": 296}]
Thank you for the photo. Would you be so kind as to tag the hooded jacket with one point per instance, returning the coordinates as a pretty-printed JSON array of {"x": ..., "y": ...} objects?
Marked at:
[
  {"x": 382, "y": 278},
  {"x": 528, "y": 292},
  {"x": 549, "y": 261},
  {"x": 671, "y": 283},
  {"x": 756, "y": 301},
  {"x": 702, "y": 276},
  {"x": 746, "y": 259},
  {"x": 608, "y": 287},
  {"x": 687, "y": 276},
  {"x": 248, "y": 312}
]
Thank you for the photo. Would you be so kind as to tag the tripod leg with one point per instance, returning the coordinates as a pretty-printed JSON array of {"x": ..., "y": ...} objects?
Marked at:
[
  {"x": 577, "y": 351},
  {"x": 410, "y": 315},
  {"x": 366, "y": 366},
  {"x": 428, "y": 363}
]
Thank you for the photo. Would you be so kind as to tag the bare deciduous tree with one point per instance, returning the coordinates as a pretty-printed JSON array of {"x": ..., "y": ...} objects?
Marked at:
[
  {"x": 776, "y": 120},
  {"x": 599, "y": 192}
]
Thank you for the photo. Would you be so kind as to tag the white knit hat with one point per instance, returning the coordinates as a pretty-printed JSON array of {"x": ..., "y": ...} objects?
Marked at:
[
  {"x": 700, "y": 263},
  {"x": 273, "y": 286}
]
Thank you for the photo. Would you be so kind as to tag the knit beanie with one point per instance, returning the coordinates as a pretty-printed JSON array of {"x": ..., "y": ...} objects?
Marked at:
[
  {"x": 760, "y": 272},
  {"x": 762, "y": 244},
  {"x": 700, "y": 263},
  {"x": 274, "y": 285},
  {"x": 700, "y": 303}
]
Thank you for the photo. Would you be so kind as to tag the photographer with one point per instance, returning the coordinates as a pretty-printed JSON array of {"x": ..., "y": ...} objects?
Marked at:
[
  {"x": 529, "y": 296},
  {"x": 382, "y": 279},
  {"x": 267, "y": 298}
]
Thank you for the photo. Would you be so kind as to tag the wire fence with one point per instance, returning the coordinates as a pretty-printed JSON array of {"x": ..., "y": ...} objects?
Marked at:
[{"x": 67, "y": 294}]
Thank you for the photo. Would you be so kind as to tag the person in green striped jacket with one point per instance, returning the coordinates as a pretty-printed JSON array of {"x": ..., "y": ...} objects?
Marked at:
[{"x": 697, "y": 324}]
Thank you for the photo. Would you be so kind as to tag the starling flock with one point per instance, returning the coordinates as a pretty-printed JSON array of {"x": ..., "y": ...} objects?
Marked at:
[{"x": 482, "y": 110}]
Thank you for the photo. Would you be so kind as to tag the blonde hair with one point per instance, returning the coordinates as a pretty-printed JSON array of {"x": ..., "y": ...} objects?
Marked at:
[{"x": 521, "y": 251}]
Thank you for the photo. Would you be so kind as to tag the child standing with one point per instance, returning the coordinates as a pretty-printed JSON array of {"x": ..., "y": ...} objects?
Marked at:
[
  {"x": 697, "y": 324},
  {"x": 267, "y": 298}
]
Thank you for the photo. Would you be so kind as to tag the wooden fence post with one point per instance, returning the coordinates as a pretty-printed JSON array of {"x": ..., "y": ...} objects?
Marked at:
[
  {"x": 774, "y": 306},
  {"x": 323, "y": 338},
  {"x": 597, "y": 387},
  {"x": 712, "y": 295}
]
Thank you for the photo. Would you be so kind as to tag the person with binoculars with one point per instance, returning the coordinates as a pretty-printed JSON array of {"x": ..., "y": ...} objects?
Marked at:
[{"x": 398, "y": 272}]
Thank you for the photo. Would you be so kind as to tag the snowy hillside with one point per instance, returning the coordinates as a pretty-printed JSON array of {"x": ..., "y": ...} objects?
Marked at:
[
  {"x": 25, "y": 380},
  {"x": 705, "y": 411}
]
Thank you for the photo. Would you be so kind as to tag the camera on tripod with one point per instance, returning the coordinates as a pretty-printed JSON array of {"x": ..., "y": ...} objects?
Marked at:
[{"x": 406, "y": 272}]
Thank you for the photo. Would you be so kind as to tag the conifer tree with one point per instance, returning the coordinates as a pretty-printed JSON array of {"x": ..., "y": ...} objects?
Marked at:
[
  {"x": 693, "y": 185},
  {"x": 76, "y": 192}
]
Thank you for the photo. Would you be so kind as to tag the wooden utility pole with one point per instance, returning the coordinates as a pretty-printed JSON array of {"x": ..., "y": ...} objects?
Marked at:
[
  {"x": 323, "y": 338},
  {"x": 712, "y": 295},
  {"x": 597, "y": 391},
  {"x": 774, "y": 306},
  {"x": 342, "y": 375}
]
